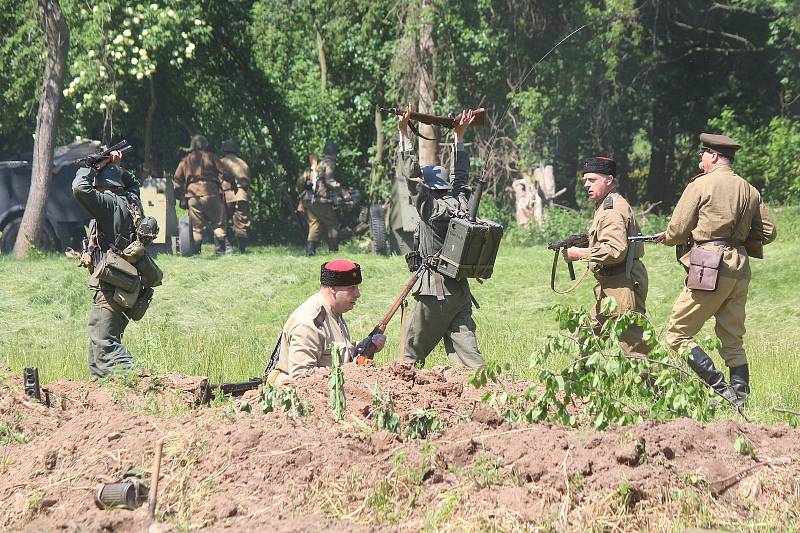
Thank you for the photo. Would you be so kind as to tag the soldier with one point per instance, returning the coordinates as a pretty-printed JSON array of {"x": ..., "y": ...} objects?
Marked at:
[
  {"x": 719, "y": 217},
  {"x": 619, "y": 275},
  {"x": 443, "y": 306},
  {"x": 107, "y": 193},
  {"x": 318, "y": 204},
  {"x": 305, "y": 191},
  {"x": 237, "y": 195},
  {"x": 198, "y": 187},
  {"x": 312, "y": 329}
]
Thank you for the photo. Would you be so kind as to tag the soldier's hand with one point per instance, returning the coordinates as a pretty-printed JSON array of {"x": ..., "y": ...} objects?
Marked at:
[
  {"x": 402, "y": 125},
  {"x": 660, "y": 236},
  {"x": 379, "y": 340},
  {"x": 464, "y": 120},
  {"x": 572, "y": 253}
]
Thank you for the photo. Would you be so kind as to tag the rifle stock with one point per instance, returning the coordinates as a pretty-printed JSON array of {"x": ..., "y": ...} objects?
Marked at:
[
  {"x": 366, "y": 349},
  {"x": 438, "y": 120}
]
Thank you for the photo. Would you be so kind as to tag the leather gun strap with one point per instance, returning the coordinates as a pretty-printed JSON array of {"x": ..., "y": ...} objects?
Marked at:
[
  {"x": 417, "y": 133},
  {"x": 553, "y": 276}
]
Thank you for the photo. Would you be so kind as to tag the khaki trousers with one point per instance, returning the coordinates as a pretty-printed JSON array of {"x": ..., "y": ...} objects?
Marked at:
[
  {"x": 239, "y": 217},
  {"x": 321, "y": 215},
  {"x": 450, "y": 320},
  {"x": 630, "y": 295},
  {"x": 726, "y": 304},
  {"x": 207, "y": 212}
]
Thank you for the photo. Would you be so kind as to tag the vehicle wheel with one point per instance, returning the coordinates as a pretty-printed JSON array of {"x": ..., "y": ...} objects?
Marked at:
[
  {"x": 48, "y": 242},
  {"x": 185, "y": 237},
  {"x": 377, "y": 229}
]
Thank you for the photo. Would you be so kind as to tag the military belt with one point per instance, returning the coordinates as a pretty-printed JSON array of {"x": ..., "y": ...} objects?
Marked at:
[
  {"x": 717, "y": 242},
  {"x": 613, "y": 270}
]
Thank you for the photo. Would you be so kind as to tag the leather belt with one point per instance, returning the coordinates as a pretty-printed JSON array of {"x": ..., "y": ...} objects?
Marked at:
[
  {"x": 718, "y": 242},
  {"x": 613, "y": 270}
]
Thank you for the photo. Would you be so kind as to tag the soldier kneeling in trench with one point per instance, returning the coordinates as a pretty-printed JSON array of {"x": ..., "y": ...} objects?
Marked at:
[{"x": 307, "y": 338}]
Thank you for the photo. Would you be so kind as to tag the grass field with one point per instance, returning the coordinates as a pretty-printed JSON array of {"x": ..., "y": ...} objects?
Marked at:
[{"x": 221, "y": 316}]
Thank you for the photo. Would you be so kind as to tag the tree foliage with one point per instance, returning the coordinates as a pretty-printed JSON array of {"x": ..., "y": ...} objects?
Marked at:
[{"x": 638, "y": 80}]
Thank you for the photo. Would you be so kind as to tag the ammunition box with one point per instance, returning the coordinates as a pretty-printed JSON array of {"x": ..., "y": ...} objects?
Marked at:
[{"x": 470, "y": 249}]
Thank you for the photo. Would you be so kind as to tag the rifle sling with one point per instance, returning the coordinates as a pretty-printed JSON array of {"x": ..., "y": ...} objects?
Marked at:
[
  {"x": 553, "y": 276},
  {"x": 417, "y": 133}
]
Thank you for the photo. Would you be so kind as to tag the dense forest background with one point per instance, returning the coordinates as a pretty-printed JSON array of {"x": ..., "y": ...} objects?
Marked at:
[{"x": 635, "y": 79}]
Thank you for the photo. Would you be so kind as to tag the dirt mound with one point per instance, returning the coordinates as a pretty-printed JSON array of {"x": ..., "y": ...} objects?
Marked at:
[{"x": 223, "y": 467}]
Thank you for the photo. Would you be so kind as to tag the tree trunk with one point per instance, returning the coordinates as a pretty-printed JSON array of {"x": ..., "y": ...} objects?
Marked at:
[
  {"x": 323, "y": 64},
  {"x": 56, "y": 32},
  {"x": 377, "y": 174},
  {"x": 426, "y": 52},
  {"x": 660, "y": 148},
  {"x": 149, "y": 167}
]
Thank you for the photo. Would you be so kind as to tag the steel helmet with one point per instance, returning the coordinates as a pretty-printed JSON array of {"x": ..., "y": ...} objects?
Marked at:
[
  {"x": 147, "y": 230},
  {"x": 434, "y": 177},
  {"x": 230, "y": 146},
  {"x": 330, "y": 148},
  {"x": 109, "y": 176},
  {"x": 198, "y": 142}
]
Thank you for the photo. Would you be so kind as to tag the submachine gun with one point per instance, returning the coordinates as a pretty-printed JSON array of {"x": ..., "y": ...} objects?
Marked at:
[
  {"x": 580, "y": 240},
  {"x": 235, "y": 390},
  {"x": 92, "y": 160}
]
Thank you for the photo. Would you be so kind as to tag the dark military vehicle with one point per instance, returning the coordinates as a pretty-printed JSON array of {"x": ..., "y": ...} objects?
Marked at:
[{"x": 64, "y": 218}]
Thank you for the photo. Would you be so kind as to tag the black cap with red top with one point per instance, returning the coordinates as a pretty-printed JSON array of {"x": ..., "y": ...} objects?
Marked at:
[{"x": 340, "y": 273}]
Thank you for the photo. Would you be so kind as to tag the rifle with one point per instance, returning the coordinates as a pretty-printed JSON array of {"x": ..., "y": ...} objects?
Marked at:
[
  {"x": 92, "y": 160},
  {"x": 643, "y": 238},
  {"x": 366, "y": 349},
  {"x": 581, "y": 240},
  {"x": 229, "y": 389},
  {"x": 448, "y": 122}
]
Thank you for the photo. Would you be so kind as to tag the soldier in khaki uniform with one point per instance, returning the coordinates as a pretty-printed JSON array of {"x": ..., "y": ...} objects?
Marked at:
[
  {"x": 619, "y": 276},
  {"x": 313, "y": 328},
  {"x": 198, "y": 186},
  {"x": 305, "y": 191},
  {"x": 236, "y": 189},
  {"x": 721, "y": 219},
  {"x": 443, "y": 306},
  {"x": 317, "y": 204}
]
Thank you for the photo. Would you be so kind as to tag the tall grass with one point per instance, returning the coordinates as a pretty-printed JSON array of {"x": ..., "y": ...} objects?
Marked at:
[{"x": 222, "y": 316}]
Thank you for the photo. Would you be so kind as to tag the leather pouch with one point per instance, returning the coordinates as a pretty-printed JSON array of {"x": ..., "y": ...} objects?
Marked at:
[
  {"x": 115, "y": 270},
  {"x": 127, "y": 299},
  {"x": 140, "y": 307},
  {"x": 149, "y": 271},
  {"x": 703, "y": 269}
]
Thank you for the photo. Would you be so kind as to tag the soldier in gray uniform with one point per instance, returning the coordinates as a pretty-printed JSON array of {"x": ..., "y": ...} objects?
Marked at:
[
  {"x": 107, "y": 194},
  {"x": 443, "y": 306}
]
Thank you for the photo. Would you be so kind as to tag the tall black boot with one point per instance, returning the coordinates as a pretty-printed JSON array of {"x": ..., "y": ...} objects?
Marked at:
[
  {"x": 197, "y": 248},
  {"x": 311, "y": 248},
  {"x": 219, "y": 245},
  {"x": 704, "y": 367},
  {"x": 242, "y": 243},
  {"x": 740, "y": 382},
  {"x": 333, "y": 244}
]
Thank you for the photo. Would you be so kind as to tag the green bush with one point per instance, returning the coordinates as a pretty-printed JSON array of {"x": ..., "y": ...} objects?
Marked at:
[{"x": 769, "y": 155}]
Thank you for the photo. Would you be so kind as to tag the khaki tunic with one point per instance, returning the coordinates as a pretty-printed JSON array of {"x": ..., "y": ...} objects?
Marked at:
[
  {"x": 719, "y": 205},
  {"x": 307, "y": 339},
  {"x": 236, "y": 171},
  {"x": 442, "y": 308},
  {"x": 199, "y": 174},
  {"x": 316, "y": 204},
  {"x": 608, "y": 251}
]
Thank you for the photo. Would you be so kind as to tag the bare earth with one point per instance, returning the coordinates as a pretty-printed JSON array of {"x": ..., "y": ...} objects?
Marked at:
[{"x": 252, "y": 472}]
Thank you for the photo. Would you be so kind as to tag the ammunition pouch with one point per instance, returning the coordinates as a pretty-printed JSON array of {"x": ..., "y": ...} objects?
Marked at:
[
  {"x": 133, "y": 252},
  {"x": 116, "y": 271},
  {"x": 150, "y": 273},
  {"x": 470, "y": 249},
  {"x": 137, "y": 311},
  {"x": 127, "y": 299}
]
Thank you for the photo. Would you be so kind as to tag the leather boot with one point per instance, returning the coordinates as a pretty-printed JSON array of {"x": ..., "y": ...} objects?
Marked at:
[
  {"x": 311, "y": 248},
  {"x": 242, "y": 244},
  {"x": 740, "y": 382},
  {"x": 219, "y": 245},
  {"x": 704, "y": 367},
  {"x": 333, "y": 244},
  {"x": 198, "y": 247},
  {"x": 228, "y": 246}
]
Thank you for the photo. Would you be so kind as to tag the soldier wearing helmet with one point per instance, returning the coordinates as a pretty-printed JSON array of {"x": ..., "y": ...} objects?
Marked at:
[
  {"x": 237, "y": 196},
  {"x": 443, "y": 306},
  {"x": 110, "y": 194},
  {"x": 317, "y": 204},
  {"x": 198, "y": 187}
]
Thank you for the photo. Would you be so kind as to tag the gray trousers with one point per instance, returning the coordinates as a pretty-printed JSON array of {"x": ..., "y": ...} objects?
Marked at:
[
  {"x": 107, "y": 323},
  {"x": 450, "y": 320}
]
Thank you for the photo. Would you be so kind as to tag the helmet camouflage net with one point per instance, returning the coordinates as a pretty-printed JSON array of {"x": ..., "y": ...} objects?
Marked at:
[{"x": 147, "y": 229}]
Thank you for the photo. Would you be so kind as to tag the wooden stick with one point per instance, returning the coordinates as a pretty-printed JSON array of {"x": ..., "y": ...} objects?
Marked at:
[{"x": 152, "y": 498}]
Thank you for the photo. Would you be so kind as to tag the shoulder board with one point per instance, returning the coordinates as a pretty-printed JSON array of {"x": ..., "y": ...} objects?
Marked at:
[
  {"x": 608, "y": 203},
  {"x": 321, "y": 316},
  {"x": 696, "y": 176}
]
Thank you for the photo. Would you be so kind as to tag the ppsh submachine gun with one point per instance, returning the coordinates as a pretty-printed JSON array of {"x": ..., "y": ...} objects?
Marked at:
[
  {"x": 449, "y": 121},
  {"x": 92, "y": 160}
]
